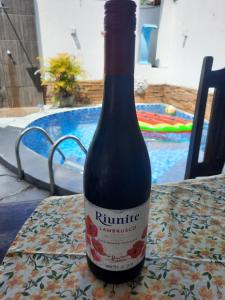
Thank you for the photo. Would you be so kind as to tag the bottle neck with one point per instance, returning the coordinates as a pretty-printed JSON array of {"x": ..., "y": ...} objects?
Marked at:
[
  {"x": 119, "y": 69},
  {"x": 119, "y": 53},
  {"x": 119, "y": 91},
  {"x": 120, "y": 24},
  {"x": 118, "y": 99},
  {"x": 118, "y": 108}
]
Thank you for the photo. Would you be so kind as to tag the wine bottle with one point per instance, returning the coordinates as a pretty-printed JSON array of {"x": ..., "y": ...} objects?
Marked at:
[{"x": 117, "y": 174}]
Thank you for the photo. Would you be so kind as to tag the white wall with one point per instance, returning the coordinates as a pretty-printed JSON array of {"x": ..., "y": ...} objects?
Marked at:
[
  {"x": 188, "y": 31},
  {"x": 192, "y": 29},
  {"x": 164, "y": 33},
  {"x": 59, "y": 18},
  {"x": 56, "y": 19}
]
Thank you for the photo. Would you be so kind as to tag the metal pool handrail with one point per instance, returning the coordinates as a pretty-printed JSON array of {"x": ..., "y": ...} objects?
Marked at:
[
  {"x": 18, "y": 140},
  {"x": 50, "y": 158}
]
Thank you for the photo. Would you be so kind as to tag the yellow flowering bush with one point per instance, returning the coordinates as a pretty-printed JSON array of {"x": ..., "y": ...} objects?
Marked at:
[{"x": 61, "y": 75}]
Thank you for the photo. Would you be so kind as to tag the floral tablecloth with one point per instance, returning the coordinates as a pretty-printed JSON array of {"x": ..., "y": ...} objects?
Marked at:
[{"x": 185, "y": 252}]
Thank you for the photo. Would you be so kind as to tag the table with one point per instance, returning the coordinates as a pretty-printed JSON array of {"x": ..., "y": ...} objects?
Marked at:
[{"x": 185, "y": 256}]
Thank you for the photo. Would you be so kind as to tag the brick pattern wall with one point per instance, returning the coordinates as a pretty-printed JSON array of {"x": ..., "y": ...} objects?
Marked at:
[
  {"x": 180, "y": 97},
  {"x": 153, "y": 94},
  {"x": 91, "y": 92},
  {"x": 184, "y": 98}
]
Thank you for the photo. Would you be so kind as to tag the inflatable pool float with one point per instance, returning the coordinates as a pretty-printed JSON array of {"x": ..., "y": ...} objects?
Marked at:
[{"x": 162, "y": 123}]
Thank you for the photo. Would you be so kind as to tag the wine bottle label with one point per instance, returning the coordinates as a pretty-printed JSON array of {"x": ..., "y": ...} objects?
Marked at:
[{"x": 116, "y": 239}]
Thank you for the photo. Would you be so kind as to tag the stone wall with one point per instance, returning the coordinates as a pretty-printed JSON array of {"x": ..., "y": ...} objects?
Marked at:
[
  {"x": 180, "y": 97},
  {"x": 184, "y": 98},
  {"x": 91, "y": 92}
]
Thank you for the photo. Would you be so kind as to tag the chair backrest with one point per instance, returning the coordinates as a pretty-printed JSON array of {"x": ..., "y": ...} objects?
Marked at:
[{"x": 214, "y": 154}]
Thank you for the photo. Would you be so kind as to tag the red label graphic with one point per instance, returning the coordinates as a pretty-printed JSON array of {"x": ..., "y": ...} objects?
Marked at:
[{"x": 116, "y": 239}]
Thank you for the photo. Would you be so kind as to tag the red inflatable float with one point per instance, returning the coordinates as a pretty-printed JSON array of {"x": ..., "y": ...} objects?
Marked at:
[{"x": 162, "y": 123}]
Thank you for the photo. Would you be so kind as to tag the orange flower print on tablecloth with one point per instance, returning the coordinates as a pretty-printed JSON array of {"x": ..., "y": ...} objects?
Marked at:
[
  {"x": 34, "y": 273},
  {"x": 91, "y": 229},
  {"x": 218, "y": 281},
  {"x": 210, "y": 267},
  {"x": 82, "y": 269},
  {"x": 171, "y": 227},
  {"x": 156, "y": 286},
  {"x": 142, "y": 296},
  {"x": 205, "y": 293},
  {"x": 99, "y": 293},
  {"x": 17, "y": 296},
  {"x": 98, "y": 246},
  {"x": 183, "y": 210},
  {"x": 45, "y": 207},
  {"x": 58, "y": 229},
  {"x": 204, "y": 210},
  {"x": 167, "y": 244},
  {"x": 204, "y": 280},
  {"x": 159, "y": 235},
  {"x": 77, "y": 226},
  {"x": 215, "y": 222},
  {"x": 223, "y": 246},
  {"x": 179, "y": 252},
  {"x": 78, "y": 236},
  {"x": 54, "y": 298},
  {"x": 70, "y": 282},
  {"x": 125, "y": 296},
  {"x": 44, "y": 241},
  {"x": 173, "y": 280},
  {"x": 182, "y": 242},
  {"x": 179, "y": 266},
  {"x": 205, "y": 252},
  {"x": 154, "y": 226},
  {"x": 53, "y": 286},
  {"x": 31, "y": 238},
  {"x": 68, "y": 221},
  {"x": 77, "y": 248},
  {"x": 19, "y": 267},
  {"x": 39, "y": 296},
  {"x": 15, "y": 281},
  {"x": 136, "y": 250},
  {"x": 195, "y": 276},
  {"x": 42, "y": 231},
  {"x": 52, "y": 247},
  {"x": 212, "y": 243}
]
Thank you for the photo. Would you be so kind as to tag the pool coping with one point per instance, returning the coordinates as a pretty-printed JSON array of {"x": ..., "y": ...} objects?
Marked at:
[{"x": 34, "y": 165}]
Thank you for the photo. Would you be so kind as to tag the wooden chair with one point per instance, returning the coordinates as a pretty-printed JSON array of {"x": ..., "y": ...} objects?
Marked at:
[{"x": 214, "y": 154}]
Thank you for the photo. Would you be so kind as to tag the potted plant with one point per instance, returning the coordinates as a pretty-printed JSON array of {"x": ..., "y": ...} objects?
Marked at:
[{"x": 61, "y": 75}]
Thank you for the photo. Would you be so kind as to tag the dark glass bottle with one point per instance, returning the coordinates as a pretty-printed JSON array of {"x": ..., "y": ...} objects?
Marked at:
[{"x": 117, "y": 175}]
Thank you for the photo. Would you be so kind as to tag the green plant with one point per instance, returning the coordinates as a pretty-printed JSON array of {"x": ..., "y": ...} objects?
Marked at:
[{"x": 61, "y": 75}]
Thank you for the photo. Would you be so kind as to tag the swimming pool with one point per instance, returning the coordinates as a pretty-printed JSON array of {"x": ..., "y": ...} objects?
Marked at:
[{"x": 168, "y": 152}]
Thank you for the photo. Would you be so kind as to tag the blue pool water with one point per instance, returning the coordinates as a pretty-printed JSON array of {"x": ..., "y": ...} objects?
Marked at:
[{"x": 168, "y": 152}]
